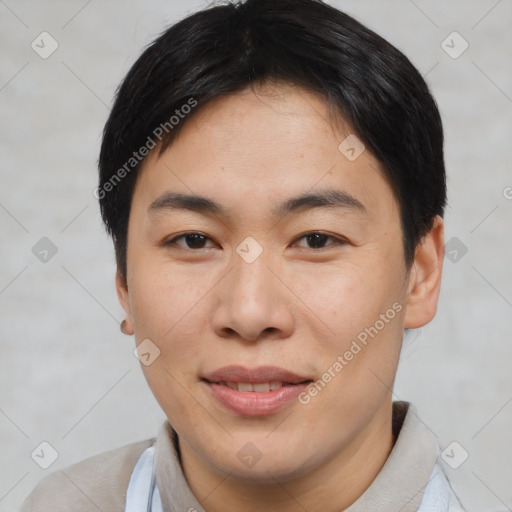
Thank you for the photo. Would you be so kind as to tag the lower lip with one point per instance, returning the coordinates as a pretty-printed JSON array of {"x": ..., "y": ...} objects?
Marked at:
[{"x": 252, "y": 403}]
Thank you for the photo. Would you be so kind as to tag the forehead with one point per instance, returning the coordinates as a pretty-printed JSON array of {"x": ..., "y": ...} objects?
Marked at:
[{"x": 258, "y": 148}]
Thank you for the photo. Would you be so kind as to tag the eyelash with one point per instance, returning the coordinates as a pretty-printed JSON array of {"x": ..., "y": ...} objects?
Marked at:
[{"x": 337, "y": 241}]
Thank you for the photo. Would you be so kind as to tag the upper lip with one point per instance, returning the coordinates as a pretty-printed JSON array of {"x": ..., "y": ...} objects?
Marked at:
[{"x": 236, "y": 373}]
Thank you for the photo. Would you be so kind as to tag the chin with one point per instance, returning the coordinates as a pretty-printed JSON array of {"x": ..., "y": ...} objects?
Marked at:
[
  {"x": 267, "y": 466},
  {"x": 267, "y": 473}
]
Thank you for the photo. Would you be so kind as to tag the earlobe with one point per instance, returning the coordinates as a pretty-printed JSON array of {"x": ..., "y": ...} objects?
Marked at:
[
  {"x": 425, "y": 278},
  {"x": 123, "y": 294}
]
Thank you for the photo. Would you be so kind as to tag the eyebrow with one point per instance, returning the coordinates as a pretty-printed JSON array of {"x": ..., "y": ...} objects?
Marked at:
[{"x": 327, "y": 198}]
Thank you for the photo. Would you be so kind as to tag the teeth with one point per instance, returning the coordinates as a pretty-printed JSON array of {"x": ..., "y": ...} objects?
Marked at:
[{"x": 260, "y": 387}]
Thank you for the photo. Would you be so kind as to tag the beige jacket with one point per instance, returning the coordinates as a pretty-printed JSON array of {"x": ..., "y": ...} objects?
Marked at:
[{"x": 99, "y": 483}]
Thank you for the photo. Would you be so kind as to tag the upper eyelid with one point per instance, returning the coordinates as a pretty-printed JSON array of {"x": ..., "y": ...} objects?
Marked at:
[{"x": 337, "y": 238}]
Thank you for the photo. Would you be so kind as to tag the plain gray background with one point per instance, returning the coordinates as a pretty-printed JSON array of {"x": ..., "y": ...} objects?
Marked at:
[{"x": 67, "y": 374}]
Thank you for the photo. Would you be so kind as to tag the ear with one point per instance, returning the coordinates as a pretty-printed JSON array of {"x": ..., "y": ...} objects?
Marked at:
[
  {"x": 425, "y": 278},
  {"x": 124, "y": 298}
]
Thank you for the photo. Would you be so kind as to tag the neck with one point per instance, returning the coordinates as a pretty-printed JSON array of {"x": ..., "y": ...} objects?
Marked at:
[{"x": 332, "y": 487}]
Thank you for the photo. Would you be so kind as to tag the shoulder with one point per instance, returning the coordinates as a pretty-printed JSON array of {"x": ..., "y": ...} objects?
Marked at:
[{"x": 96, "y": 483}]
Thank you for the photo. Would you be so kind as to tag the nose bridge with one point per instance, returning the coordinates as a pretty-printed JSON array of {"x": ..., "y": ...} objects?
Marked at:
[
  {"x": 252, "y": 276},
  {"x": 252, "y": 299}
]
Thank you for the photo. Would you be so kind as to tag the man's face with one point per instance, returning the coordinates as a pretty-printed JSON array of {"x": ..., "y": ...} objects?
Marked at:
[{"x": 253, "y": 290}]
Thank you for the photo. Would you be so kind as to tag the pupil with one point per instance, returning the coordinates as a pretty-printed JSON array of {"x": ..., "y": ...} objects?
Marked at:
[
  {"x": 317, "y": 239},
  {"x": 197, "y": 241}
]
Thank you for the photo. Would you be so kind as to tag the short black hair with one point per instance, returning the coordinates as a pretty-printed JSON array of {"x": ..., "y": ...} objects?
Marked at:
[{"x": 226, "y": 48}]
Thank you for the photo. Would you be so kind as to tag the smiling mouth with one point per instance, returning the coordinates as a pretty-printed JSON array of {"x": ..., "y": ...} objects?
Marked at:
[{"x": 254, "y": 391}]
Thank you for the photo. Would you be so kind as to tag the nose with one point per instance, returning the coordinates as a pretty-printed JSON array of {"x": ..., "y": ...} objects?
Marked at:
[{"x": 254, "y": 301}]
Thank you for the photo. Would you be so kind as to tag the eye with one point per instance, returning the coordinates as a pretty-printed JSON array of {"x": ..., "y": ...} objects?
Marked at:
[
  {"x": 193, "y": 239},
  {"x": 197, "y": 240},
  {"x": 318, "y": 239}
]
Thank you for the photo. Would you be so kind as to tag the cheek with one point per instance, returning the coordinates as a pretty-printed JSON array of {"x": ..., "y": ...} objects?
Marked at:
[
  {"x": 159, "y": 298},
  {"x": 348, "y": 298},
  {"x": 168, "y": 309}
]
